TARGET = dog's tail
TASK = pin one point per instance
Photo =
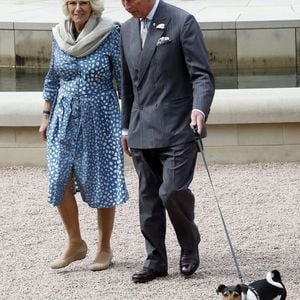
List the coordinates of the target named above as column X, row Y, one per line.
column 274, row 278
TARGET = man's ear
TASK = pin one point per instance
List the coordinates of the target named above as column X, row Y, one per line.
column 220, row 288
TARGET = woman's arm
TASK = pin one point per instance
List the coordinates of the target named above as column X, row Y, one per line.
column 45, row 119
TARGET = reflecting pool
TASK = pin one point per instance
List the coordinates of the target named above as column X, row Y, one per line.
column 21, row 79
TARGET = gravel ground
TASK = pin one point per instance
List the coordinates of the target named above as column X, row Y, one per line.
column 260, row 203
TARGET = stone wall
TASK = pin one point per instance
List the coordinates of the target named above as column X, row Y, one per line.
column 246, row 125
column 232, row 46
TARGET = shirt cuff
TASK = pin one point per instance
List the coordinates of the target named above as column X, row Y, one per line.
column 195, row 109
column 124, row 131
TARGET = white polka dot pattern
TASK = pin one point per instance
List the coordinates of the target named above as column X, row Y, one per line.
column 84, row 133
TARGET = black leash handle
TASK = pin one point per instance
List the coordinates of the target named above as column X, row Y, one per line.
column 199, row 144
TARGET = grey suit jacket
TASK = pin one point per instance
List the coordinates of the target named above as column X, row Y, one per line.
column 165, row 80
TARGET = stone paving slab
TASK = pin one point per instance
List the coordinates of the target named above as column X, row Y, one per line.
column 220, row 11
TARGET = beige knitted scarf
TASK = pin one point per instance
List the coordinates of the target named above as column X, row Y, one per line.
column 94, row 32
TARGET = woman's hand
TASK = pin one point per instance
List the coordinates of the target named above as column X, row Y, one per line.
column 45, row 119
column 44, row 127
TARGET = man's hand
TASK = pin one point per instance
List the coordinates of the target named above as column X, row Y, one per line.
column 197, row 120
column 125, row 145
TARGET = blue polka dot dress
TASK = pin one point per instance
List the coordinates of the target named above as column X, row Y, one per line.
column 84, row 131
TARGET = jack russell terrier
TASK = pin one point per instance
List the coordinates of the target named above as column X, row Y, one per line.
column 270, row 288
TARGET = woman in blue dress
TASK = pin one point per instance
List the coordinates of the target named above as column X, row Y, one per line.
column 81, row 123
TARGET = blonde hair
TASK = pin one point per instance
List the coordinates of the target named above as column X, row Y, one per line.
column 97, row 7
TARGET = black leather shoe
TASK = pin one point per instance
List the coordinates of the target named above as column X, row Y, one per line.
column 147, row 275
column 189, row 261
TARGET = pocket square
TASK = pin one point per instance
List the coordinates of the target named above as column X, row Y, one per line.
column 163, row 40
column 160, row 26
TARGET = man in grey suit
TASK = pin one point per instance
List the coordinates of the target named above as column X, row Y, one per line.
column 167, row 88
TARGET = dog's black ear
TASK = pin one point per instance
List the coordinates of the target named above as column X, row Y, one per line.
column 220, row 288
column 243, row 288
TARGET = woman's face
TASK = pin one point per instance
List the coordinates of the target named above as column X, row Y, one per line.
column 80, row 12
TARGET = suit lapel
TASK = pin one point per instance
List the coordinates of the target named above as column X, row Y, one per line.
column 150, row 44
column 134, row 43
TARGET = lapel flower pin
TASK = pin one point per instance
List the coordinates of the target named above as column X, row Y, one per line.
column 160, row 26
column 163, row 40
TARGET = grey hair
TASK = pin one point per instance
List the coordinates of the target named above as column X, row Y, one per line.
column 97, row 7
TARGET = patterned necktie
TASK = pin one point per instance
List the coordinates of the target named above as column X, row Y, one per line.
column 144, row 30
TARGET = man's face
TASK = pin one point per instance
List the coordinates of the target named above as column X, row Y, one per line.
column 138, row 8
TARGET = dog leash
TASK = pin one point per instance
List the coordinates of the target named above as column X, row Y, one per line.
column 201, row 150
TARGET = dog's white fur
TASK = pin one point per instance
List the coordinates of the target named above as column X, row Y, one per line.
column 250, row 296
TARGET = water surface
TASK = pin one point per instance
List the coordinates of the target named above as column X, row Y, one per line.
column 20, row 79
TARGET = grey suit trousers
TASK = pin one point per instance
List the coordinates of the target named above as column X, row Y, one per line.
column 164, row 178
